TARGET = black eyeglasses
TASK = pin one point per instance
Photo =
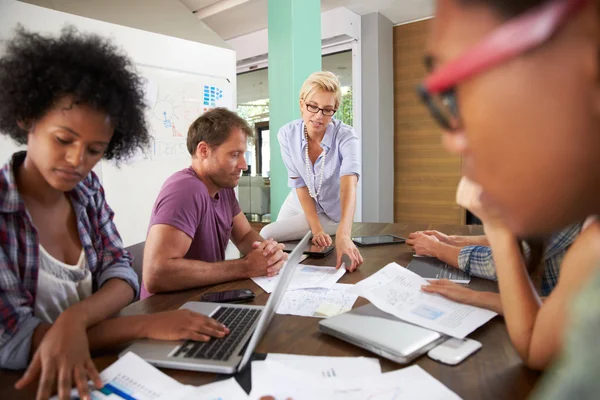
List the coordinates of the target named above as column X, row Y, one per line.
column 443, row 107
column 328, row 112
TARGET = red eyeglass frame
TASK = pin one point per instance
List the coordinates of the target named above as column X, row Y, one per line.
column 510, row 40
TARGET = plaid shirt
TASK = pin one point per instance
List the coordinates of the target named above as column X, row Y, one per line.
column 478, row 260
column 19, row 257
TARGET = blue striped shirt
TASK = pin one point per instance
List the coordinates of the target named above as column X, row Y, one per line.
column 342, row 149
column 478, row 260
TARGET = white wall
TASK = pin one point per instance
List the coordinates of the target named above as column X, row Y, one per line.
column 377, row 77
column 132, row 189
column 168, row 17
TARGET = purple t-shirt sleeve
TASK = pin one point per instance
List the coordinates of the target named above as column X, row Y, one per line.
column 179, row 207
column 235, row 205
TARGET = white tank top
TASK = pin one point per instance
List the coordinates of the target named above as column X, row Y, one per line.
column 60, row 285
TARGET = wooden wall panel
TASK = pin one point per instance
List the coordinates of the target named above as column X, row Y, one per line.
column 425, row 175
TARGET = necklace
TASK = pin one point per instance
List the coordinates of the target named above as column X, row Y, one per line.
column 309, row 174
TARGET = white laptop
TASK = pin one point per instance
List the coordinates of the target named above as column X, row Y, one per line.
column 229, row 354
column 381, row 333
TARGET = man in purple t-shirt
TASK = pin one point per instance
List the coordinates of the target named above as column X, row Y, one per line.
column 196, row 214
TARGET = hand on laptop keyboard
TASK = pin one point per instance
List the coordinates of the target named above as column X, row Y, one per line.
column 183, row 324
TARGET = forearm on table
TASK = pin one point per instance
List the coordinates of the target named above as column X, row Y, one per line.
column 348, row 204
column 179, row 274
column 462, row 241
column 310, row 209
column 520, row 302
column 118, row 331
column 105, row 334
column 447, row 253
column 245, row 245
column 111, row 298
column 489, row 301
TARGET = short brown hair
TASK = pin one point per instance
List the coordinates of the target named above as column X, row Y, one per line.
column 214, row 128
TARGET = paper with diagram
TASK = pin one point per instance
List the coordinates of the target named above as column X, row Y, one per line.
column 318, row 302
column 130, row 377
column 305, row 277
column 397, row 291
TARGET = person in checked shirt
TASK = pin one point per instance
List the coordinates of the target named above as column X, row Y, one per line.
column 72, row 99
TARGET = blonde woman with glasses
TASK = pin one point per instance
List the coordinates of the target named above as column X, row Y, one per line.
column 322, row 157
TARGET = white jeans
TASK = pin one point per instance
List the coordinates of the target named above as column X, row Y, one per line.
column 292, row 224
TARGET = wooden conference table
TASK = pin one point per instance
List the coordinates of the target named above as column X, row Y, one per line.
column 495, row 372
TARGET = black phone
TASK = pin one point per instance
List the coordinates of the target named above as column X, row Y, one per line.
column 311, row 250
column 229, row 296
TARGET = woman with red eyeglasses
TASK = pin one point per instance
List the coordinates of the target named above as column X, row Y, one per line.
column 516, row 85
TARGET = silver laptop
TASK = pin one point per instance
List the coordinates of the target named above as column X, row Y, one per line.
column 433, row 268
column 381, row 333
column 231, row 353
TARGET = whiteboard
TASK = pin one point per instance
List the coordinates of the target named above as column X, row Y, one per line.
column 176, row 99
column 177, row 74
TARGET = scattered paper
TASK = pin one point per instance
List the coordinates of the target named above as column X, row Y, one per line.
column 223, row 390
column 318, row 302
column 305, row 277
column 282, row 382
column 329, row 367
column 396, row 290
column 130, row 377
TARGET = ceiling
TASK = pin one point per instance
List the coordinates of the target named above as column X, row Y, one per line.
column 232, row 18
column 254, row 85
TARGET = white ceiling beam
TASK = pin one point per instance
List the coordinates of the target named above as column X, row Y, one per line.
column 217, row 8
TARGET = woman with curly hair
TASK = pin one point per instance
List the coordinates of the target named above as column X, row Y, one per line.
column 73, row 99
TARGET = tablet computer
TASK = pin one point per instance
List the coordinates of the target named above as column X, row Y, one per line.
column 377, row 240
column 311, row 250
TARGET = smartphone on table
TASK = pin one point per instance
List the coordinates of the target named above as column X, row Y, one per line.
column 229, row 296
column 454, row 351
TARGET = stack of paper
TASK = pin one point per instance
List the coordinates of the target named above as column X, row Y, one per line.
column 347, row 378
column 397, row 291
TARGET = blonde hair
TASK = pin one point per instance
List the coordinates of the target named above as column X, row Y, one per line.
column 322, row 80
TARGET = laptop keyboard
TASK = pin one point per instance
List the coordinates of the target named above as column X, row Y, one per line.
column 238, row 320
column 450, row 273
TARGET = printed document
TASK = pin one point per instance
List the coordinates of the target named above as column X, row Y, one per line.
column 130, row 377
column 305, row 277
column 282, row 382
column 329, row 367
column 321, row 303
column 397, row 291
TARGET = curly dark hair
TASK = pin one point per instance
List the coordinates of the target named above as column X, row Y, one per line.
column 37, row 71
